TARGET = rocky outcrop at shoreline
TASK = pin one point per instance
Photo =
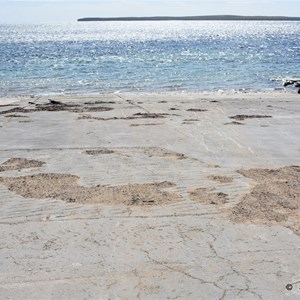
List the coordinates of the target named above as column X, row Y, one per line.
column 293, row 82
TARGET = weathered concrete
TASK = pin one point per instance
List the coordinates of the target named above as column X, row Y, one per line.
column 51, row 249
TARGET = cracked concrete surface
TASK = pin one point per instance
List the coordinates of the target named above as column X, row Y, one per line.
column 50, row 249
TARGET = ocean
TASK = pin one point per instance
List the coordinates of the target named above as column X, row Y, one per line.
column 183, row 56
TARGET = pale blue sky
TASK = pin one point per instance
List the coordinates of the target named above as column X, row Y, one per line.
column 35, row 11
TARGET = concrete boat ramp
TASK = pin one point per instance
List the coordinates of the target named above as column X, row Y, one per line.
column 150, row 196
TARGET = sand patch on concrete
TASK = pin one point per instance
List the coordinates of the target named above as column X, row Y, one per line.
column 208, row 196
column 16, row 116
column 220, row 179
column 99, row 151
column 196, row 109
column 191, row 120
column 274, row 200
column 145, row 124
column 160, row 152
column 99, row 102
column 19, row 164
column 244, row 117
column 50, row 107
column 234, row 123
column 26, row 121
column 133, row 117
column 151, row 115
column 65, row 187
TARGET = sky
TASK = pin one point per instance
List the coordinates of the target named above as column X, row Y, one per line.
column 45, row 11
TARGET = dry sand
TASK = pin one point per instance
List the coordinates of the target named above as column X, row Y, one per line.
column 99, row 151
column 244, row 117
column 19, row 164
column 275, row 199
column 221, row 179
column 208, row 196
column 160, row 152
column 66, row 188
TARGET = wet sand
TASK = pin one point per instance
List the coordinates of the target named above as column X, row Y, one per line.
column 166, row 192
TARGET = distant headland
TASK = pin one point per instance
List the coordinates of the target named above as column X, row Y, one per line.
column 195, row 18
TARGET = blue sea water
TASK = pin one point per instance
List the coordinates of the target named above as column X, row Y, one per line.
column 99, row 57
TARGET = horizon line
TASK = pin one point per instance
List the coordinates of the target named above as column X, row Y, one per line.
column 193, row 18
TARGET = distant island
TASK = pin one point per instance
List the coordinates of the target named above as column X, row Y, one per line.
column 194, row 18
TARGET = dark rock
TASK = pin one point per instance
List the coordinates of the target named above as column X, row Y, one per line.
column 293, row 82
column 288, row 82
column 54, row 102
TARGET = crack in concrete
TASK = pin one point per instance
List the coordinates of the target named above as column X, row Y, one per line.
column 113, row 217
column 164, row 264
column 234, row 271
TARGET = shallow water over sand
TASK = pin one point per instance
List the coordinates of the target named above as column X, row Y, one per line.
column 147, row 56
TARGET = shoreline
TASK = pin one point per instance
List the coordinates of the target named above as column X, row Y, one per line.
column 221, row 93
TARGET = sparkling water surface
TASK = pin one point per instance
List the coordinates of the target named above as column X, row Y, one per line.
column 100, row 57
